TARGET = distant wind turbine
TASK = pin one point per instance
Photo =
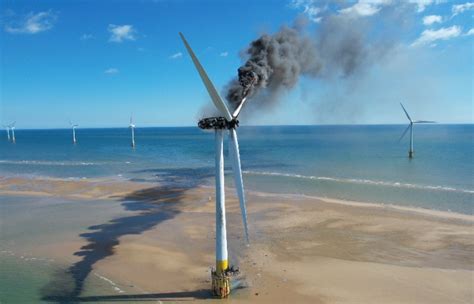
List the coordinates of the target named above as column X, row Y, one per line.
column 410, row 127
column 73, row 126
column 12, row 128
column 132, row 129
column 7, row 128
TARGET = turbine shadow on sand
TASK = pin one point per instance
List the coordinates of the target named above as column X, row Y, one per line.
column 156, row 205
column 200, row 294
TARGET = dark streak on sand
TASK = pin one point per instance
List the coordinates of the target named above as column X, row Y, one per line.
column 156, row 205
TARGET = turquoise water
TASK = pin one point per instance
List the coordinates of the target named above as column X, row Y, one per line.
column 363, row 163
column 34, row 268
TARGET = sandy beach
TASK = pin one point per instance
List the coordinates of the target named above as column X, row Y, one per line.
column 345, row 127
column 303, row 249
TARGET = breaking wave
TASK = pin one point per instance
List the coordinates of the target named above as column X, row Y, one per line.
column 362, row 181
column 47, row 163
column 58, row 163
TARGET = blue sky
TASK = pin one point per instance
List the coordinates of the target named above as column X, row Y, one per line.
column 96, row 62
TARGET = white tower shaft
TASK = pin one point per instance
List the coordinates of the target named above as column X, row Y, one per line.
column 13, row 135
column 74, row 135
column 8, row 133
column 222, row 261
column 133, row 137
column 410, row 152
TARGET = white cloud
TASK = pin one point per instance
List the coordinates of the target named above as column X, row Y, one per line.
column 33, row 23
column 120, row 33
column 111, row 71
column 365, row 7
column 431, row 19
column 177, row 55
column 224, row 54
column 460, row 8
column 470, row 32
column 86, row 36
column 309, row 9
column 421, row 4
column 445, row 33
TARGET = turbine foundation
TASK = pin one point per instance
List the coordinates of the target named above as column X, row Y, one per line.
column 221, row 281
column 410, row 154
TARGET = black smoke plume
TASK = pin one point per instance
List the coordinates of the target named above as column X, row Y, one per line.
column 339, row 47
column 278, row 61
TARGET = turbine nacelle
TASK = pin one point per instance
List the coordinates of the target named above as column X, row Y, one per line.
column 217, row 123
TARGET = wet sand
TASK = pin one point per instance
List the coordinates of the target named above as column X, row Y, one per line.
column 303, row 249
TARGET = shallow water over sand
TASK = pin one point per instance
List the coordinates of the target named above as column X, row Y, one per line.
column 40, row 243
column 363, row 163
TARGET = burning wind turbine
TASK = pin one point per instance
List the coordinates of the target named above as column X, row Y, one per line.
column 410, row 127
column 222, row 273
column 132, row 129
column 73, row 126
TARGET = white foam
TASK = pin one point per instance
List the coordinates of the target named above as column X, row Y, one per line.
column 47, row 163
column 362, row 181
column 114, row 285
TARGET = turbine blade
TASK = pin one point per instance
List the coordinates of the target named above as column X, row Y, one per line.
column 239, row 184
column 404, row 133
column 239, row 108
column 406, row 113
column 218, row 102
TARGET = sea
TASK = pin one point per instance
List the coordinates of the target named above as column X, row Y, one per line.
column 364, row 163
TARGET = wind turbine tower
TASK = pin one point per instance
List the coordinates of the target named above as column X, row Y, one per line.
column 411, row 152
column 7, row 128
column 132, row 129
column 228, row 123
column 12, row 128
column 73, row 126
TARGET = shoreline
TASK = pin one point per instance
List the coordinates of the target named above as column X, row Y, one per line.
column 105, row 182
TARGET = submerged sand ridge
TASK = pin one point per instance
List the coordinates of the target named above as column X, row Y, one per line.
column 303, row 250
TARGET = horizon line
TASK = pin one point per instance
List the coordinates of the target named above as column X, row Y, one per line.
column 244, row 126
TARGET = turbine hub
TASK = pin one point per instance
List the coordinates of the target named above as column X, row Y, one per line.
column 217, row 123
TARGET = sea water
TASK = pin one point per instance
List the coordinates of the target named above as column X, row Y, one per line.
column 41, row 241
column 358, row 163
column 354, row 162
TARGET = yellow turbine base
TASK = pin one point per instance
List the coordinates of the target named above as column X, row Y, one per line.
column 222, row 266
